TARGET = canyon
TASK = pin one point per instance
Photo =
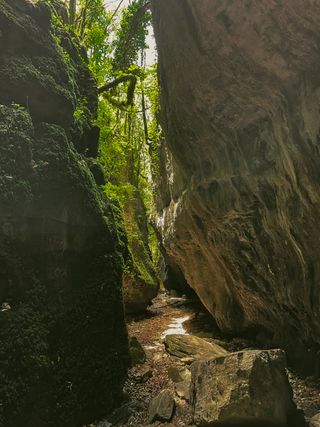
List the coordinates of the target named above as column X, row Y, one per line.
column 190, row 294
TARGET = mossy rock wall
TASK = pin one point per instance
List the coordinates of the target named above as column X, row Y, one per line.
column 140, row 280
column 63, row 340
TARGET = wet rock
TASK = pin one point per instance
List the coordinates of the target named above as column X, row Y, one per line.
column 190, row 347
column 315, row 421
column 137, row 353
column 247, row 386
column 161, row 407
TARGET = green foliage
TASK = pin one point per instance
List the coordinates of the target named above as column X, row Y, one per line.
column 131, row 35
column 120, row 193
column 129, row 131
column 92, row 27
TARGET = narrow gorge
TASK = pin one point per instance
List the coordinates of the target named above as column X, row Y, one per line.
column 159, row 178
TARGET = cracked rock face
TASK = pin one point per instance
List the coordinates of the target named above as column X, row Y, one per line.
column 239, row 204
column 244, row 387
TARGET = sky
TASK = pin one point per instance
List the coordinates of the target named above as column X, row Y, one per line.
column 151, row 52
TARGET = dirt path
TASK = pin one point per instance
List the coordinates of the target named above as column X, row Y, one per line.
column 170, row 315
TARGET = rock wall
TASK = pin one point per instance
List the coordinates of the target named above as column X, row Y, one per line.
column 239, row 207
column 63, row 340
column 140, row 281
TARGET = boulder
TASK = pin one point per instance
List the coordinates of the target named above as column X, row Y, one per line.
column 238, row 198
column 244, row 387
column 137, row 292
column 161, row 407
column 190, row 348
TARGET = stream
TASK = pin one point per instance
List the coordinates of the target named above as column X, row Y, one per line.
column 171, row 315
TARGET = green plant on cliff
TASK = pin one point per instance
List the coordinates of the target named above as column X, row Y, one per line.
column 128, row 105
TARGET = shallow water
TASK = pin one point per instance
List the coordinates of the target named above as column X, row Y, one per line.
column 177, row 327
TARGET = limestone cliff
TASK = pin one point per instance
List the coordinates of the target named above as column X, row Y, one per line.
column 63, row 341
column 239, row 208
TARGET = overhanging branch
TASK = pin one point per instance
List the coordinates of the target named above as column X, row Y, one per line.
column 116, row 82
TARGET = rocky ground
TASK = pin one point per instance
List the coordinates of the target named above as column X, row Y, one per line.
column 173, row 315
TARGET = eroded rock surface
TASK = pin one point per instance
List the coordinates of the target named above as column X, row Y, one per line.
column 190, row 347
column 244, row 387
column 162, row 406
column 63, row 341
column 239, row 205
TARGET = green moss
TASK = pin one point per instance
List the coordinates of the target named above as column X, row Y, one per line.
column 63, row 343
column 59, row 356
column 24, row 356
column 15, row 155
column 140, row 263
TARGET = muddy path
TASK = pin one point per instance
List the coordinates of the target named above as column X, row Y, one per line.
column 169, row 315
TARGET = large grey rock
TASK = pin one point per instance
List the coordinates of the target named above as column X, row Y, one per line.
column 247, row 386
column 191, row 348
column 239, row 197
column 161, row 407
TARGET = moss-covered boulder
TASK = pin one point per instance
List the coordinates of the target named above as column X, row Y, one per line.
column 63, row 340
